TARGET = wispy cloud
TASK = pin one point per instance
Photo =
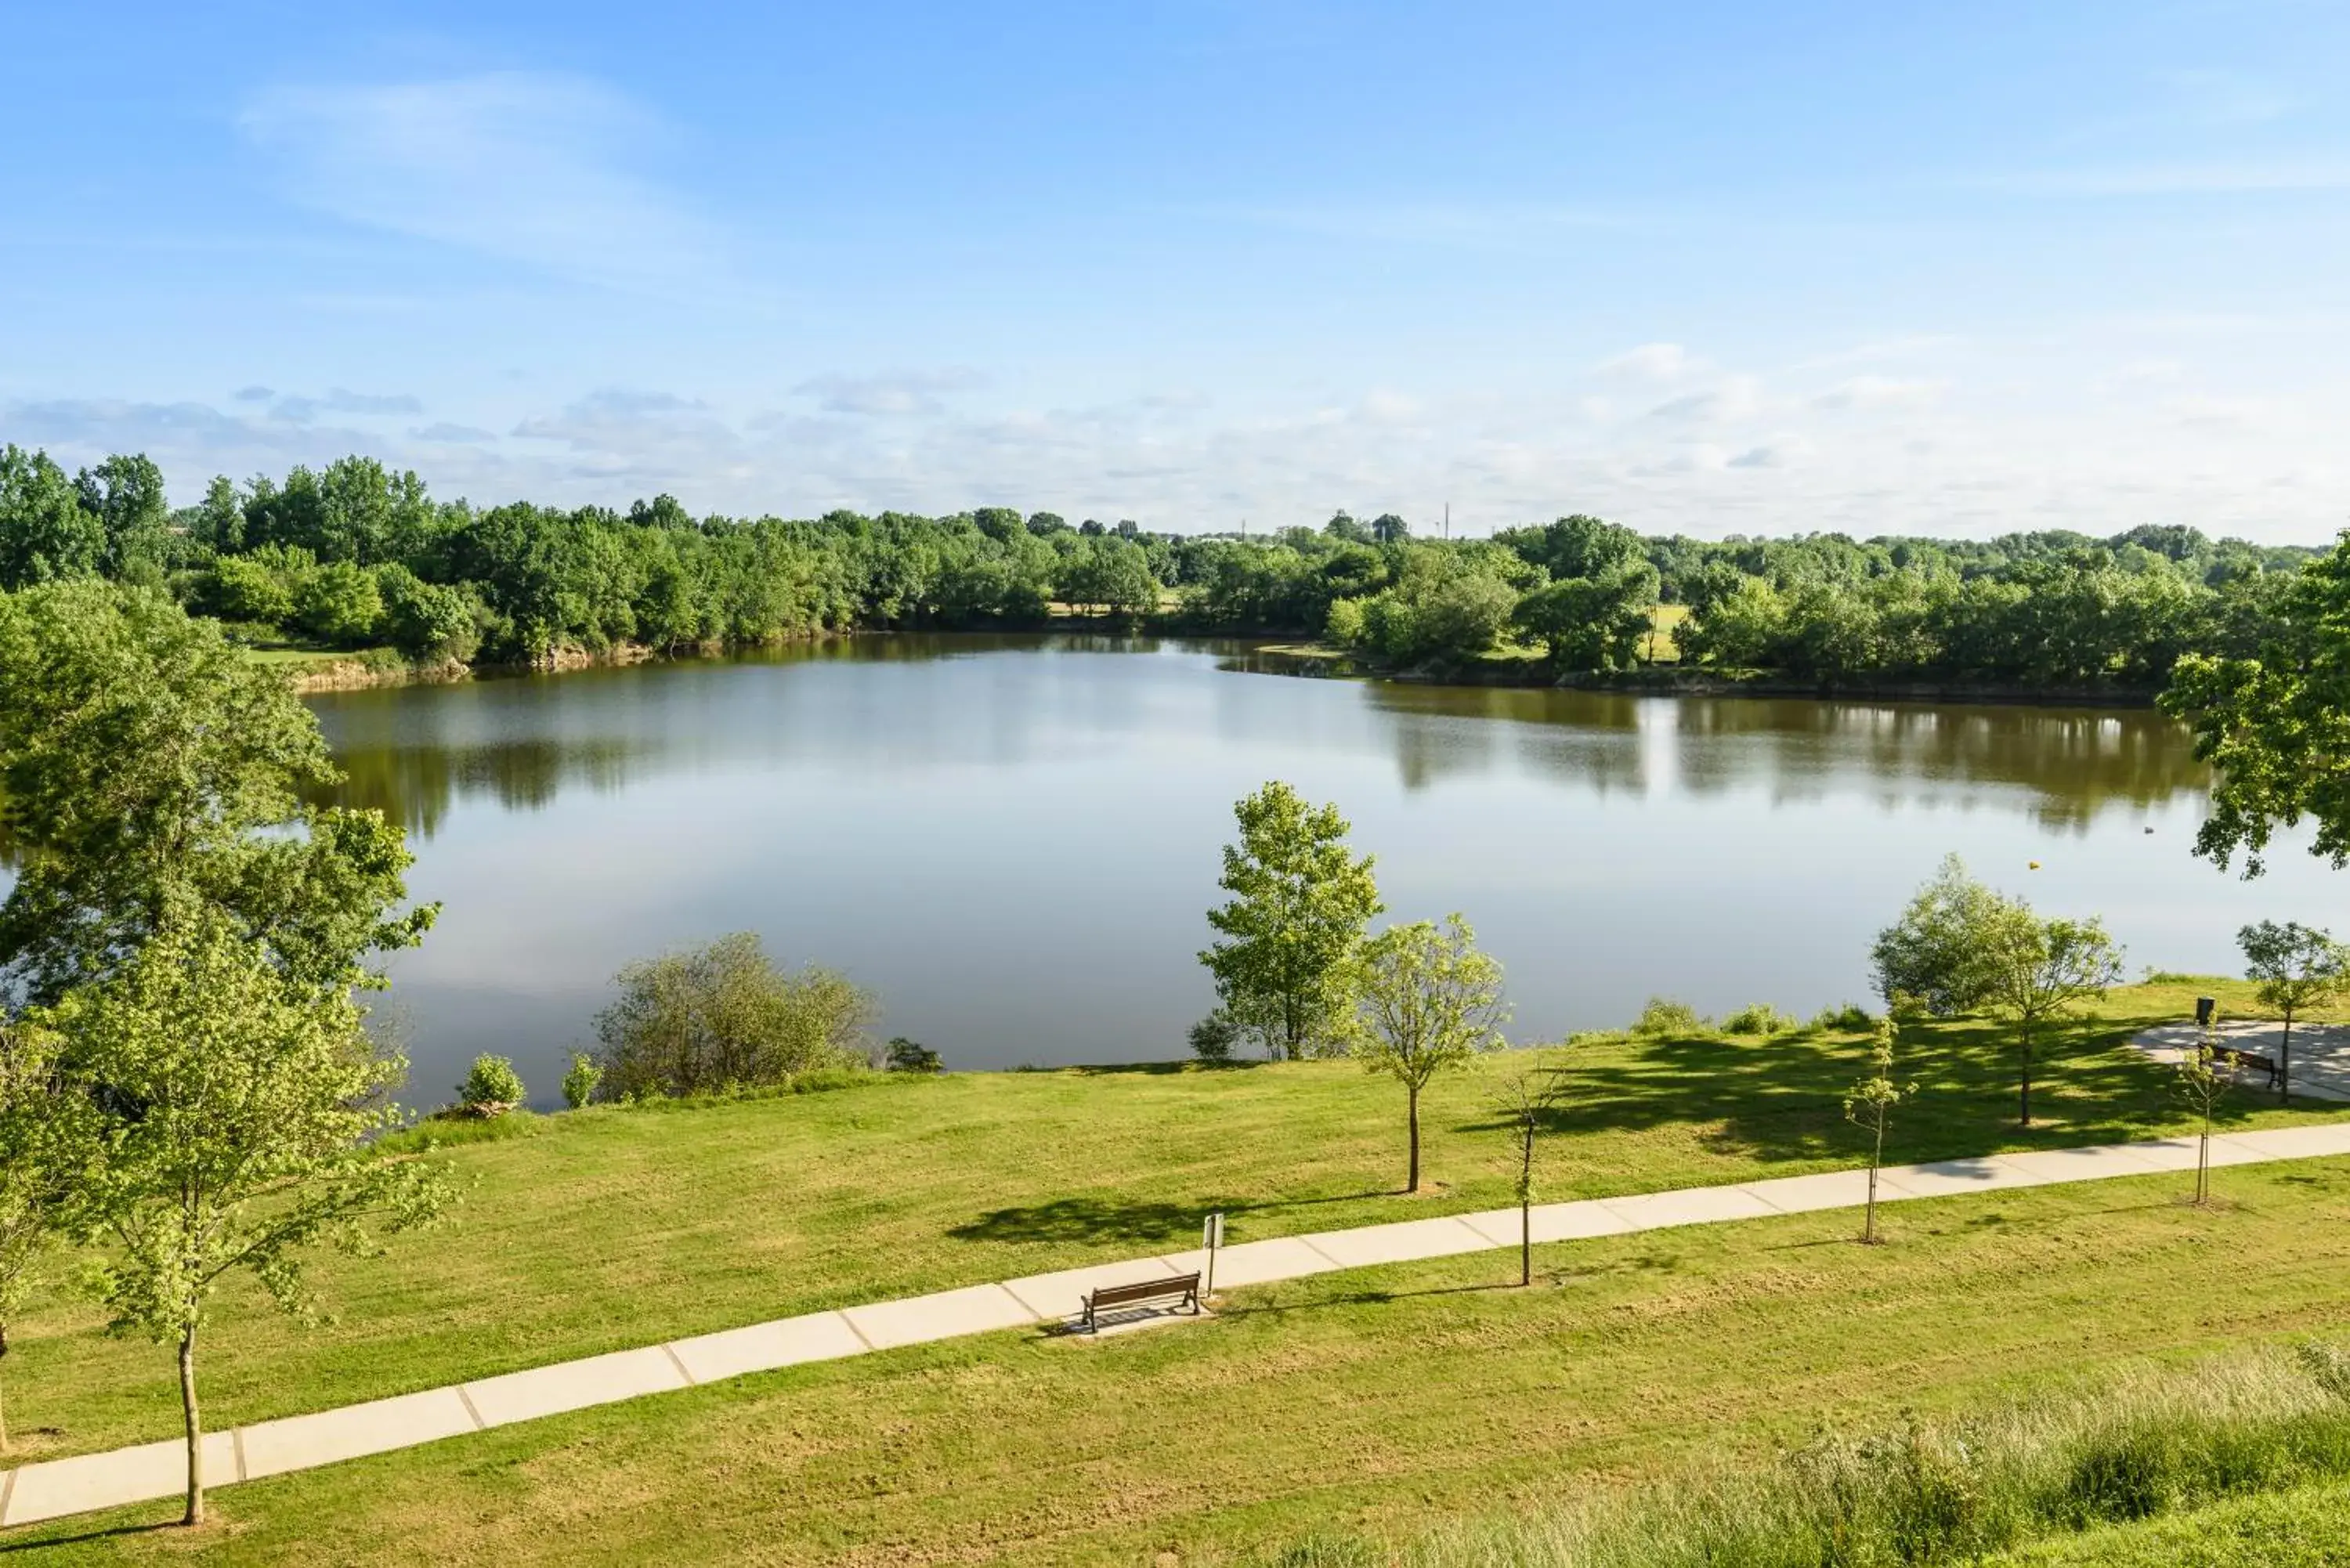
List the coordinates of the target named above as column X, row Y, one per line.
column 535, row 167
column 896, row 392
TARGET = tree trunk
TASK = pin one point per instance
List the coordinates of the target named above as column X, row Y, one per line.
column 1526, row 1210
column 4, row 1393
column 1412, row 1185
column 195, row 1515
column 2027, row 1076
column 2284, row 1063
column 1876, row 1158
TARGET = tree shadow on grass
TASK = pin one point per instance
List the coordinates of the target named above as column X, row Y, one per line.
column 1110, row 1219
column 50, row 1543
column 1364, row 1298
column 1781, row 1099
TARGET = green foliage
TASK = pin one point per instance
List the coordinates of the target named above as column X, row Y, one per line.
column 1759, row 1019
column 47, row 1138
column 1593, row 623
column 1935, row 951
column 724, row 1017
column 580, row 1080
column 1870, row 1105
column 491, row 1086
column 340, row 604
column 1849, row 1017
column 1662, row 1017
column 249, row 1095
column 1214, row 1037
column 45, row 533
column 904, row 1056
column 1300, row 903
column 425, row 621
column 146, row 764
column 1426, row 1002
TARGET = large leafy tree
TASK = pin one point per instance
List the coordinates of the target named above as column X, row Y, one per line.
column 46, row 531
column 252, row 1092
column 145, row 762
column 1300, row 902
column 2275, row 725
column 1426, row 1002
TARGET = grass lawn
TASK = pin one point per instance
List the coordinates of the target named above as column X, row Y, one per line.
column 305, row 658
column 616, row 1228
column 1373, row 1402
column 2305, row 1528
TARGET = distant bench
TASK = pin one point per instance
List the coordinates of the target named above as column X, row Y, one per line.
column 1182, row 1288
column 2250, row 1060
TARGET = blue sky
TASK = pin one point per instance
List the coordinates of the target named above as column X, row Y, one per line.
column 1711, row 268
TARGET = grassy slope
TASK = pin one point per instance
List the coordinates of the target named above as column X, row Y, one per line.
column 1371, row 1401
column 2307, row 1528
column 613, row 1229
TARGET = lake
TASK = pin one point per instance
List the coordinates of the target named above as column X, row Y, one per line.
column 1012, row 841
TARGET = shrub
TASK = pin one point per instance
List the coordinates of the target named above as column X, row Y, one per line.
column 724, row 1015
column 1851, row 1016
column 905, row 1055
column 493, row 1087
column 425, row 621
column 1214, row 1037
column 1663, row 1015
column 1759, row 1019
column 579, row 1083
column 339, row 604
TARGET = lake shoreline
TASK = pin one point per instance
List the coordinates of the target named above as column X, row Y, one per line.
column 1320, row 661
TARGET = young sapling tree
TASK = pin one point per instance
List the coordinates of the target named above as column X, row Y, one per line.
column 1524, row 1101
column 250, row 1095
column 1426, row 1002
column 2206, row 1073
column 1870, row 1105
column 2296, row 967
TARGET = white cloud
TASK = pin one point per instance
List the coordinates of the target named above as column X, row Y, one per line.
column 896, row 392
column 1648, row 363
column 1865, row 393
column 529, row 167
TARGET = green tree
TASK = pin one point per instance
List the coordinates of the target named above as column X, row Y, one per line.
column 1935, row 951
column 2275, row 726
column 1300, row 903
column 2206, row 1073
column 724, row 1017
column 580, row 1081
column 45, row 533
column 2036, row 971
column 1524, row 1101
column 1869, row 1107
column 340, row 604
column 2296, row 968
column 254, row 1093
column 145, row 760
column 125, row 495
column 1426, row 1002
column 1593, row 623
column 46, row 1137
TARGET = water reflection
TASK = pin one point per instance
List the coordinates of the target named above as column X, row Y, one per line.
column 1012, row 839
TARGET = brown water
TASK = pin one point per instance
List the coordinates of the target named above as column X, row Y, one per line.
column 1013, row 840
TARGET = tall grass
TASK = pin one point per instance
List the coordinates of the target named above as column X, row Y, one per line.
column 1936, row 1492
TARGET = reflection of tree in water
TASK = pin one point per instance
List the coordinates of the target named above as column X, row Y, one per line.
column 415, row 785
column 1587, row 738
column 2077, row 763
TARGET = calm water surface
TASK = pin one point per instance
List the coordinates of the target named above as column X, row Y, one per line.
column 1012, row 841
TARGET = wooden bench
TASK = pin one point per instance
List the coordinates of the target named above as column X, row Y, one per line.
column 2250, row 1061
column 1184, row 1288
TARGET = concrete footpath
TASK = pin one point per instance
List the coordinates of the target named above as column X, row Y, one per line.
column 54, row 1488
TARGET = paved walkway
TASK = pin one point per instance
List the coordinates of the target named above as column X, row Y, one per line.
column 2321, row 1052
column 54, row 1488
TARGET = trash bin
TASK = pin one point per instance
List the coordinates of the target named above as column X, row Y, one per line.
column 2204, row 1007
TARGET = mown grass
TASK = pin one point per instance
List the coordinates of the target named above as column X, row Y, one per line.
column 1362, row 1407
column 619, row 1227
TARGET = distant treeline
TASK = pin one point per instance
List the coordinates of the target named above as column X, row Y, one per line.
column 355, row 555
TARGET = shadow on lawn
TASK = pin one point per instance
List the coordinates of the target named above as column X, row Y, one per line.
column 1123, row 1219
column 49, row 1542
column 1782, row 1099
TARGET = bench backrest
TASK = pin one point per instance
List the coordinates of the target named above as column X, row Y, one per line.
column 1118, row 1296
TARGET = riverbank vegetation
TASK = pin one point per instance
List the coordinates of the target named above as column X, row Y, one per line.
column 354, row 555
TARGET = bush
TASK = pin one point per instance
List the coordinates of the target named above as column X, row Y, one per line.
column 1214, row 1037
column 579, row 1083
column 425, row 621
column 905, row 1055
column 1663, row 1015
column 1851, row 1016
column 492, row 1089
column 724, row 1017
column 1759, row 1019
column 339, row 604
